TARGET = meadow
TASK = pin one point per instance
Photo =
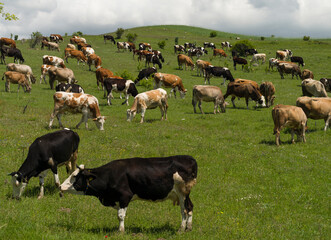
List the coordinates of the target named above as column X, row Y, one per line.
column 247, row 187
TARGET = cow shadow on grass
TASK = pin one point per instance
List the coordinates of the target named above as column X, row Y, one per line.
column 136, row 231
column 33, row 191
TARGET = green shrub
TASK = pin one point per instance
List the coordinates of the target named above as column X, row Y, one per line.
column 16, row 37
column 176, row 40
column 241, row 46
column 78, row 33
column 262, row 38
column 161, row 44
column 119, row 32
column 213, row 34
column 306, row 38
column 147, row 83
column 36, row 38
column 131, row 37
column 126, row 75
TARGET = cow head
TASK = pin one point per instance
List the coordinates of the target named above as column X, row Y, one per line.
column 130, row 115
column 78, row 181
column 183, row 93
column 19, row 183
column 99, row 121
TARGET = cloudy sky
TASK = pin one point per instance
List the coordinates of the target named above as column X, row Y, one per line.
column 282, row 18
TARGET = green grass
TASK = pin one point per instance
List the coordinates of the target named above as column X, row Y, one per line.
column 247, row 187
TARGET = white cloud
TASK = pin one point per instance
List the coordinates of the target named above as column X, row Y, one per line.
column 284, row 18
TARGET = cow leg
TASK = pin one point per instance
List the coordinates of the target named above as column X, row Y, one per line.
column 189, row 211
column 143, row 110
column 71, row 164
column 292, row 135
column 199, row 105
column 126, row 99
column 162, row 111
column 223, row 81
column 109, row 96
column 232, row 100
column 327, row 122
column 121, row 216
column 7, row 86
column 194, row 103
column 42, row 176
column 84, row 119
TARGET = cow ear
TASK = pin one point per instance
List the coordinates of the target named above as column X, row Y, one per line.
column 80, row 167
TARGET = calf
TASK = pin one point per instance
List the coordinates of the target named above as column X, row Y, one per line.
column 208, row 94
column 121, row 86
column 219, row 52
column 17, row 78
column 151, row 179
column 25, row 69
column 289, row 116
column 316, row 108
column 267, row 89
column 246, row 90
column 313, row 88
column 218, row 72
column 186, row 60
column 201, row 65
column 69, row 87
column 238, row 60
column 46, row 152
column 149, row 100
column 145, row 73
column 61, row 75
column 94, row 59
column 170, row 81
column 83, row 103
column 298, row 60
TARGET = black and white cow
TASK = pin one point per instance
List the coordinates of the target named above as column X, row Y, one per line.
column 250, row 51
column 327, row 83
column 226, row 45
column 154, row 59
column 119, row 85
column 145, row 73
column 298, row 60
column 46, row 152
column 209, row 44
column 218, row 72
column 69, row 87
column 119, row 182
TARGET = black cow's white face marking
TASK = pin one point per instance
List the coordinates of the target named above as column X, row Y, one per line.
column 69, row 184
column 18, row 186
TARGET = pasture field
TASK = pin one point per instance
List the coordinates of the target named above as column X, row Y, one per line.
column 247, row 188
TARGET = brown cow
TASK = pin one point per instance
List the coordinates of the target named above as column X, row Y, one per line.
column 102, row 73
column 267, row 89
column 289, row 69
column 289, row 116
column 79, row 55
column 8, row 42
column 316, row 108
column 219, row 52
column 61, row 75
column 16, row 78
column 201, row 65
column 170, row 81
column 246, row 90
column 94, row 59
column 307, row 74
column 186, row 60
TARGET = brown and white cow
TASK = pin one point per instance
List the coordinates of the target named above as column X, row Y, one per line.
column 186, row 60
column 56, row 38
column 94, row 59
column 16, row 78
column 79, row 55
column 313, row 88
column 44, row 71
column 87, row 51
column 201, row 65
column 267, row 89
column 53, row 60
column 170, row 81
column 149, row 100
column 208, row 93
column 283, row 54
column 316, row 108
column 289, row 116
column 259, row 56
column 219, row 52
column 86, row 104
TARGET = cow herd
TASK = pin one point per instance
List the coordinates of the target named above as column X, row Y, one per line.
column 117, row 183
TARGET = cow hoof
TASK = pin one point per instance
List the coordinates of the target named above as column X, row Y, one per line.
column 61, row 194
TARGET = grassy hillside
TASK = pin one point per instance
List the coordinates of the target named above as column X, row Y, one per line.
column 247, row 188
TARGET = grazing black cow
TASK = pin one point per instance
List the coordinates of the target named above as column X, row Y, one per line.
column 11, row 52
column 119, row 85
column 218, row 72
column 250, row 51
column 47, row 152
column 69, row 87
column 327, row 83
column 154, row 59
column 145, row 73
column 119, row 182
column 298, row 60
column 110, row 38
column 238, row 60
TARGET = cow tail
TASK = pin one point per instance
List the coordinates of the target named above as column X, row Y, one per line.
column 194, row 93
column 3, row 76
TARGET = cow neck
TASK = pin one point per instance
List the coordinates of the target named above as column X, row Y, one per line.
column 90, row 190
column 28, row 170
